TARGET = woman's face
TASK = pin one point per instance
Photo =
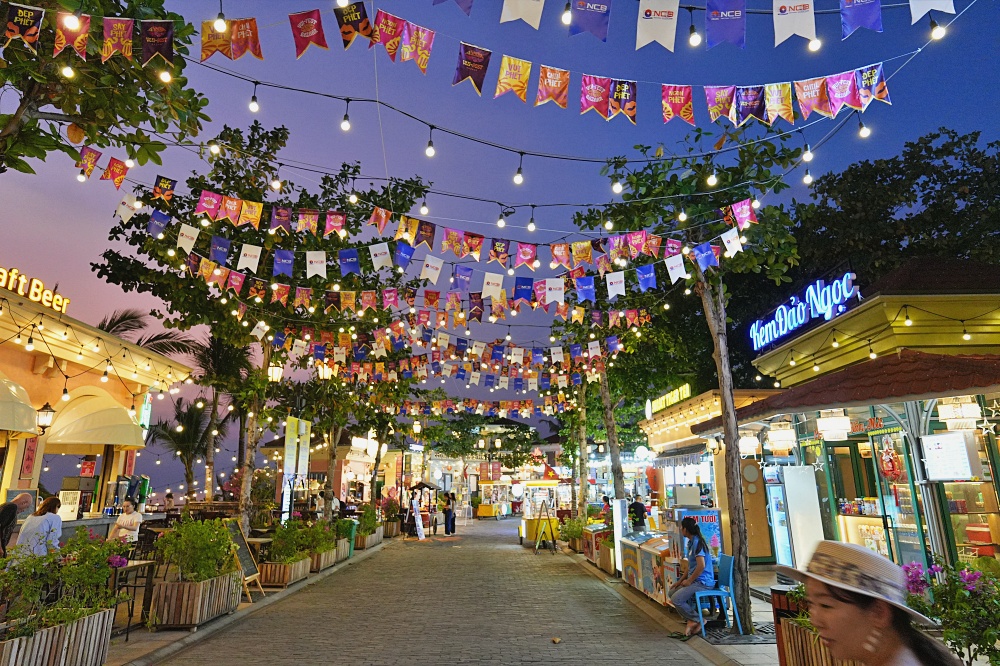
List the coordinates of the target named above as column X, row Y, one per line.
column 127, row 507
column 842, row 626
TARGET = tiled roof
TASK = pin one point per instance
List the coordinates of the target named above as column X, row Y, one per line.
column 908, row 375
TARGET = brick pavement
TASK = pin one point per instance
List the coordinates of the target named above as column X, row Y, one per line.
column 477, row 598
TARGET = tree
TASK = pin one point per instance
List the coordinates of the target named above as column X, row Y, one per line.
column 222, row 368
column 115, row 103
column 188, row 436
column 244, row 168
column 131, row 324
column 702, row 181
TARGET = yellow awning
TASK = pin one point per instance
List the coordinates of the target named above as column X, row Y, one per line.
column 89, row 422
column 17, row 416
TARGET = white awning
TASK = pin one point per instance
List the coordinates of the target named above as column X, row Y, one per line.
column 89, row 422
column 17, row 416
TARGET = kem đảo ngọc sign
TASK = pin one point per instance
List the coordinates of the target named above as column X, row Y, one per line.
column 821, row 299
column 33, row 289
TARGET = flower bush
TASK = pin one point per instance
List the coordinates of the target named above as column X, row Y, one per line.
column 42, row 591
column 318, row 538
column 964, row 601
column 201, row 549
column 368, row 522
column 289, row 544
column 390, row 509
column 571, row 528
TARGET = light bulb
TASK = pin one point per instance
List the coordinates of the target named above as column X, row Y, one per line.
column 938, row 31
column 755, row 204
column 72, row 21
column 807, row 156
column 429, row 150
column 518, row 177
column 863, row 130
column 353, row 198
column 166, row 77
column 65, row 394
column 68, row 72
column 682, row 216
column 694, row 39
column 138, row 203
column 807, row 179
column 220, row 23
column 345, row 124
column 276, row 184
column 31, row 344
column 908, row 322
column 213, row 148
column 510, row 271
column 567, row 15
column 616, row 186
column 82, row 176
column 254, row 106
column 965, row 335
column 424, row 209
column 501, row 222
column 712, row 180
column 531, row 224
column 342, row 3
column 815, row 44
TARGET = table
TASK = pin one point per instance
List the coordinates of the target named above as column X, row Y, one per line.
column 159, row 530
column 121, row 576
column 257, row 543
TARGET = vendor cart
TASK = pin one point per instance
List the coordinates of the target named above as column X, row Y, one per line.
column 630, row 557
column 592, row 535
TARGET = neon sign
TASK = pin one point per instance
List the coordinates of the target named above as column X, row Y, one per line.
column 821, row 300
column 34, row 289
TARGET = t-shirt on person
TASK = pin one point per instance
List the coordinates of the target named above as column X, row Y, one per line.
column 39, row 534
column 638, row 513
column 128, row 525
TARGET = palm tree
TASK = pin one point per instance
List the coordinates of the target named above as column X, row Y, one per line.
column 187, row 436
column 223, row 368
column 131, row 325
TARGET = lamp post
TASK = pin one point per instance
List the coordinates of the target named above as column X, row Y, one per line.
column 44, row 417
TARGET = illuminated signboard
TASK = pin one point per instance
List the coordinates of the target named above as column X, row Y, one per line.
column 820, row 300
column 33, row 289
column 664, row 401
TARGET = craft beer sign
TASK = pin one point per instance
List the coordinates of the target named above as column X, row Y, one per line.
column 33, row 289
column 821, row 300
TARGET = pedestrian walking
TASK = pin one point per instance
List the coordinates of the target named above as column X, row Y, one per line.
column 857, row 602
column 418, row 523
column 637, row 512
column 699, row 578
column 448, row 511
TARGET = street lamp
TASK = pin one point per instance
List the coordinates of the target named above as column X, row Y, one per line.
column 417, row 427
column 324, row 371
column 44, row 418
column 275, row 372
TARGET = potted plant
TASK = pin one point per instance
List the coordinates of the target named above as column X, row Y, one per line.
column 571, row 531
column 390, row 518
column 320, row 541
column 475, row 502
column 369, row 530
column 606, row 557
column 345, row 538
column 72, row 626
column 288, row 560
column 208, row 579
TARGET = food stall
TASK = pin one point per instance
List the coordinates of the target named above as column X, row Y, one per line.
column 630, row 557
column 709, row 520
column 495, row 499
column 658, row 567
column 535, row 514
column 592, row 535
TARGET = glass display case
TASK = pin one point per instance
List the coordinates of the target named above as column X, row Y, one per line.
column 973, row 510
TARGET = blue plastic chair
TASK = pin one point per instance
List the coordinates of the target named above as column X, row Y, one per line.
column 723, row 591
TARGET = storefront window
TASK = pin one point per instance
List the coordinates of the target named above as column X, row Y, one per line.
column 812, row 454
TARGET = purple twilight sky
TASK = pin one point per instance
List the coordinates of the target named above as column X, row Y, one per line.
column 54, row 227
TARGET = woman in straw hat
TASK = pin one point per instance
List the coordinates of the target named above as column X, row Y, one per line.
column 857, row 602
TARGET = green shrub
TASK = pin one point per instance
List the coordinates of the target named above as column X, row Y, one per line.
column 201, row 549
column 289, row 544
column 476, row 501
column 369, row 521
column 593, row 510
column 344, row 527
column 318, row 538
column 571, row 528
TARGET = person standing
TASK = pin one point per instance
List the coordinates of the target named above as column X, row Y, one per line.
column 335, row 507
column 168, row 503
column 127, row 525
column 857, row 602
column 637, row 512
column 418, row 522
column 454, row 508
column 448, row 511
column 8, row 518
column 699, row 578
column 41, row 530
column 320, row 505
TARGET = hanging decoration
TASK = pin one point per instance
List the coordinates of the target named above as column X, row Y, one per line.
column 157, row 40
column 245, row 38
column 592, row 17
column 24, row 23
column 657, row 22
column 473, row 63
column 794, row 19
column 726, row 21
column 75, row 38
column 353, row 22
column 856, row 14
column 529, row 11
column 514, row 75
column 307, row 29
column 464, row 5
column 117, row 38
column 553, row 86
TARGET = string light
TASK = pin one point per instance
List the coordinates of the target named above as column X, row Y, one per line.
column 616, row 186
column 863, row 131
column 72, row 21
column 67, row 72
column 965, row 333
column 423, row 207
column 682, row 216
column 276, row 181
column 807, row 155
column 871, row 352
column 166, row 76
column 345, row 124
column 519, row 174
column 938, row 31
column 129, row 163
column 531, row 222
column 694, row 39
column 907, row 321
column 815, row 44
column 429, row 150
column 567, row 15
column 500, row 221
column 807, row 179
column 82, row 176
column 712, row 180
column 254, row 106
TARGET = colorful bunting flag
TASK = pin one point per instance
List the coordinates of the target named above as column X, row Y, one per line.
column 623, row 100
column 705, row 255
column 425, row 234
column 561, row 254
column 726, row 21
column 77, row 39
column 677, row 103
column 472, row 244
column 856, row 14
column 499, row 251
column 353, row 22
column 281, row 218
column 813, row 97
column 213, row 42
column 657, row 22
column 115, row 172
column 417, row 43
column 335, row 222
column 675, row 268
column 431, row 270
column 616, row 284
column 843, row 91
column 721, row 102
column 793, row 19
column 349, row 261
column 595, row 93
column 249, row 257
column 529, row 11
column 163, row 188
column 872, row 85
column 453, row 240
column 307, row 28
column 750, row 103
column 245, row 38
column 315, row 264
column 473, row 62
column 250, row 212
column 158, row 222
column 778, row 102
column 117, row 37
column 526, row 255
column 514, row 75
column 284, row 260
column 24, row 23
column 380, row 256
column 88, row 161
column 157, row 40
column 553, row 86
column 592, row 17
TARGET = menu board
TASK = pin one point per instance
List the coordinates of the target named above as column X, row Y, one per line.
column 952, row 456
column 69, row 504
column 243, row 554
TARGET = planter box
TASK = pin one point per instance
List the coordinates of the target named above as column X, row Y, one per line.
column 803, row 648
column 324, row 560
column 576, row 545
column 606, row 560
column 369, row 540
column 390, row 528
column 343, row 549
column 80, row 643
column 273, row 574
column 188, row 605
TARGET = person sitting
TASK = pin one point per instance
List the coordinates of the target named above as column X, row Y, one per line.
column 41, row 530
column 8, row 518
column 127, row 525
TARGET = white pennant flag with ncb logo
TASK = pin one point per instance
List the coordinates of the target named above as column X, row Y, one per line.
column 920, row 7
column 657, row 22
column 529, row 11
column 793, row 18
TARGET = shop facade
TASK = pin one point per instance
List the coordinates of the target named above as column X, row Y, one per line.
column 888, row 421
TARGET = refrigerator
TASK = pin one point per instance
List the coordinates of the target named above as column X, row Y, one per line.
column 659, row 569
column 793, row 513
column 631, row 570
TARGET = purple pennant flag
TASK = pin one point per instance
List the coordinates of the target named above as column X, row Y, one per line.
column 750, row 103
column 476, row 306
column 157, row 40
column 464, row 5
column 463, row 277
column 726, row 21
column 283, row 262
column 585, row 290
column 349, row 262
column 856, row 14
column 220, row 250
column 592, row 17
column 472, row 64
column 281, row 218
column 647, row 277
column 596, row 318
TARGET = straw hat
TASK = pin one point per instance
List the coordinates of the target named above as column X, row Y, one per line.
column 854, row 568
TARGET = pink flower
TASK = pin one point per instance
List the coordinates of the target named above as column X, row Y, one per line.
column 970, row 578
column 117, row 561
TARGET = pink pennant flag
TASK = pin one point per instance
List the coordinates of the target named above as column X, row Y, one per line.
column 595, row 93
column 744, row 213
column 678, row 103
column 208, row 203
column 526, row 254
column 417, row 44
column 843, row 91
column 388, row 31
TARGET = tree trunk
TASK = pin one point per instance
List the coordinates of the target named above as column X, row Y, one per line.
column 581, row 410
column 252, row 440
column 381, row 437
column 714, row 303
column 213, row 424
column 331, row 468
column 612, row 430
column 241, row 444
column 189, row 480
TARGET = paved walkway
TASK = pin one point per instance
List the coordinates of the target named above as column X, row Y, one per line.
column 477, row 598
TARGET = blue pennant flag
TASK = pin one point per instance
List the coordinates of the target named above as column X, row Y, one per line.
column 283, row 260
column 585, row 290
column 349, row 262
column 403, row 255
column 705, row 256
column 647, row 276
column 158, row 221
column 220, row 250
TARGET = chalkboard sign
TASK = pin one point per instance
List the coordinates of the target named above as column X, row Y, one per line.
column 243, row 554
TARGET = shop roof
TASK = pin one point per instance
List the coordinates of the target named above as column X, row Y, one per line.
column 908, row 375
